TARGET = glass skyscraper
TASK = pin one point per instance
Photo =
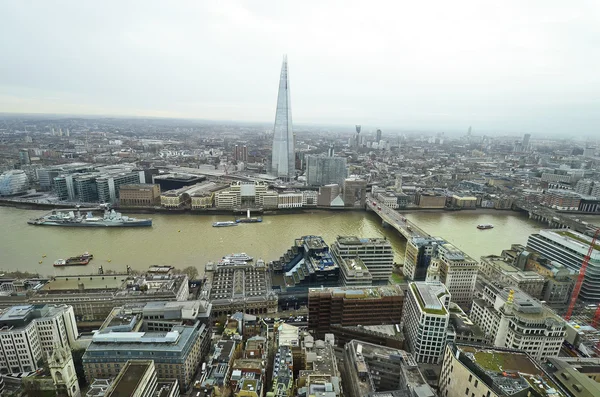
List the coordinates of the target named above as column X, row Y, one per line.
column 283, row 156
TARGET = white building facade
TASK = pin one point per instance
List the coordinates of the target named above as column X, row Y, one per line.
column 426, row 319
column 517, row 321
column 30, row 332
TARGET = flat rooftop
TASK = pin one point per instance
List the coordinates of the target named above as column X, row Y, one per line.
column 98, row 282
column 353, row 240
column 129, row 378
column 577, row 237
column 511, row 371
column 367, row 292
column 428, row 295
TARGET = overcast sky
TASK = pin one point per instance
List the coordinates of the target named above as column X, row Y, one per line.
column 505, row 66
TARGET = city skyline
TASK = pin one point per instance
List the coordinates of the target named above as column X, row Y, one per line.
column 465, row 64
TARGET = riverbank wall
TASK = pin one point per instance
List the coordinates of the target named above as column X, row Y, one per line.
column 215, row 211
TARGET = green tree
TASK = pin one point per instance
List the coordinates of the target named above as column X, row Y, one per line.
column 191, row 272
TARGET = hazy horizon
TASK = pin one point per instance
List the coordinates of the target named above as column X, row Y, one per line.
column 509, row 67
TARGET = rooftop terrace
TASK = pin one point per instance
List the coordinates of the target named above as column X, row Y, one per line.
column 510, row 371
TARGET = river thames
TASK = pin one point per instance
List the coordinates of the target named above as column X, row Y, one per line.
column 190, row 240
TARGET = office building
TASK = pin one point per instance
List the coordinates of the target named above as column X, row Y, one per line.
column 175, row 353
column 24, row 158
column 417, row 256
column 29, row 332
column 352, row 306
column 93, row 297
column 458, row 272
column 375, row 253
column 139, row 195
column 240, row 153
column 204, row 197
column 525, row 143
column 426, row 319
column 578, row 375
column 239, row 288
column 496, row 269
column 307, row 264
column 13, row 182
column 378, row 136
column 355, row 192
column 138, row 378
column 475, row 371
column 283, row 155
column 176, row 180
column 46, row 175
column 372, row 368
column 353, row 272
column 569, row 248
column 559, row 280
column 389, row 199
column 466, row 202
column 329, row 196
column 86, row 189
column 322, row 170
column 108, row 185
column 290, row 199
column 430, row 200
column 515, row 320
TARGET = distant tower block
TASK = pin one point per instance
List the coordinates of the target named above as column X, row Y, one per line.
column 330, row 151
column 378, row 137
column 357, row 128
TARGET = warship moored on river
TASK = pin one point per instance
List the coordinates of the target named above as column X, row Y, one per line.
column 75, row 218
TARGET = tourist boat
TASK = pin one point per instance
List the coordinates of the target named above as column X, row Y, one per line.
column 249, row 220
column 239, row 257
column 485, row 226
column 224, row 224
column 80, row 260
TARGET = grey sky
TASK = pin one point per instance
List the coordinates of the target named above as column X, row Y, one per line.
column 508, row 66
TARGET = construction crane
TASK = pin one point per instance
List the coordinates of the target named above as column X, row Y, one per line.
column 581, row 276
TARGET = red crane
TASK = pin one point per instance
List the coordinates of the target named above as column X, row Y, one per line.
column 581, row 276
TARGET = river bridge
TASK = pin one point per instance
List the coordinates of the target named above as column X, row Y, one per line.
column 554, row 219
column 394, row 219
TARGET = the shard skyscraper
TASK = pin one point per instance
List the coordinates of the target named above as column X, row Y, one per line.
column 283, row 159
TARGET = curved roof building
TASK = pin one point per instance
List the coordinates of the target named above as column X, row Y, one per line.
column 13, row 182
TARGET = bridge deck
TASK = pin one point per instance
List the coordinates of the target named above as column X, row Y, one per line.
column 395, row 219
